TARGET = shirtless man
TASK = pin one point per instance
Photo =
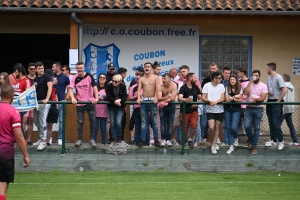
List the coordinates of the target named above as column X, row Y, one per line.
column 166, row 93
column 149, row 83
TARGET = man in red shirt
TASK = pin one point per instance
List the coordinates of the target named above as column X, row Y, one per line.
column 10, row 131
column 13, row 76
column 22, row 84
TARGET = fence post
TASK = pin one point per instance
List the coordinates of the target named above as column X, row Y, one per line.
column 63, row 147
column 183, row 129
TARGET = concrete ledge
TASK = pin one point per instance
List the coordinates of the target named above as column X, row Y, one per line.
column 151, row 159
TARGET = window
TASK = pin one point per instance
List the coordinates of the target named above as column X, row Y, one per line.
column 227, row 51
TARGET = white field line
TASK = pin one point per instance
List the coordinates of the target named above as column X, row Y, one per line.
column 148, row 183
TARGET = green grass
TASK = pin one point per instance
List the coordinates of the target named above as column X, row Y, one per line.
column 154, row 185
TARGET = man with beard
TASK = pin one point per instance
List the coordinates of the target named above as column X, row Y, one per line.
column 166, row 93
column 256, row 92
column 189, row 92
column 22, row 84
column 149, row 83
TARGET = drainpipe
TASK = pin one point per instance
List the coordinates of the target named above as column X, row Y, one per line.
column 79, row 22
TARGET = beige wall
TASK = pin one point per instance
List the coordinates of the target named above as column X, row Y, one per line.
column 40, row 23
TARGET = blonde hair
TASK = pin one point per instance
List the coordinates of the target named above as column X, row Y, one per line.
column 117, row 77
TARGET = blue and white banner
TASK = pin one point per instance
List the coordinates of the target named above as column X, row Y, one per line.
column 130, row 46
column 26, row 101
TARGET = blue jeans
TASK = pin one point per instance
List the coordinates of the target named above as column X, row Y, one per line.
column 255, row 115
column 136, row 117
column 90, row 109
column 166, row 121
column 103, row 121
column 116, row 115
column 232, row 122
column 199, row 134
column 274, row 113
column 225, row 131
column 60, row 119
column 147, row 109
column 21, row 116
column 289, row 121
column 203, row 122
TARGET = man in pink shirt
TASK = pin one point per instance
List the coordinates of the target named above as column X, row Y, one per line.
column 86, row 90
column 256, row 92
column 10, row 131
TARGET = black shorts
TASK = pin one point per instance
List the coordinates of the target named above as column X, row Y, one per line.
column 7, row 170
column 52, row 115
column 215, row 116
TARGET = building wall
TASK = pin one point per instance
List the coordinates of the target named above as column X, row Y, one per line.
column 39, row 23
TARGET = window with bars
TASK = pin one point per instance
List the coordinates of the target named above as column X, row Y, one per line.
column 227, row 51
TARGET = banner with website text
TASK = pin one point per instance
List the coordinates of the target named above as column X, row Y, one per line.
column 26, row 101
column 130, row 46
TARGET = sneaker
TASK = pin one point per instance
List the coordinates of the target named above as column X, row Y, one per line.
column 247, row 144
column 174, row 142
column 59, row 142
column 93, row 143
column 42, row 146
column 191, row 143
column 219, row 141
column 236, row 142
column 244, row 132
column 131, row 142
column 50, row 141
column 270, row 143
column 230, row 150
column 169, row 143
column 37, row 143
column 280, row 145
column 142, row 143
column 196, row 144
column 204, row 140
column 156, row 143
column 295, row 144
column 217, row 147
column 163, row 143
column 253, row 150
column 213, row 151
column 78, row 143
column 223, row 144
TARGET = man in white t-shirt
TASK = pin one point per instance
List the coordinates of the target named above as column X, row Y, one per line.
column 213, row 93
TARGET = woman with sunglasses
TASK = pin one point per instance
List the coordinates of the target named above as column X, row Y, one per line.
column 234, row 93
column 116, row 93
column 101, row 109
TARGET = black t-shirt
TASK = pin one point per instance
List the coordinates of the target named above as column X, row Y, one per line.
column 133, row 82
column 42, row 87
column 186, row 92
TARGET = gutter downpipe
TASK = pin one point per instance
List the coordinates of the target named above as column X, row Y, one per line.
column 79, row 22
column 141, row 11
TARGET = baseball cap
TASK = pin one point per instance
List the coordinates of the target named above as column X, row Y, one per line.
column 111, row 65
column 140, row 69
column 50, row 72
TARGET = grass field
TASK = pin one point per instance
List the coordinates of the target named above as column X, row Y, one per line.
column 154, row 185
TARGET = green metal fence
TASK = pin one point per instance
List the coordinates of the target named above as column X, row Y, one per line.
column 69, row 131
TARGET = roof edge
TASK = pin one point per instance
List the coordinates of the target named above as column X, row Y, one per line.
column 143, row 11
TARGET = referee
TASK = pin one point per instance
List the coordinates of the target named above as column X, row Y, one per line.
column 10, row 131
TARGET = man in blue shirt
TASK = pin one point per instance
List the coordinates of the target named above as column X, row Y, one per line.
column 62, row 83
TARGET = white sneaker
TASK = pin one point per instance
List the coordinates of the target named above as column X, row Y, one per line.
column 50, row 141
column 174, row 142
column 42, row 146
column 260, row 133
column 224, row 144
column 163, row 143
column 219, row 141
column 293, row 144
column 59, row 142
column 244, row 132
column 236, row 142
column 196, row 144
column 280, row 145
column 204, row 140
column 169, row 143
column 217, row 147
column 37, row 143
column 213, row 151
column 270, row 143
column 93, row 143
column 230, row 150
column 78, row 143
